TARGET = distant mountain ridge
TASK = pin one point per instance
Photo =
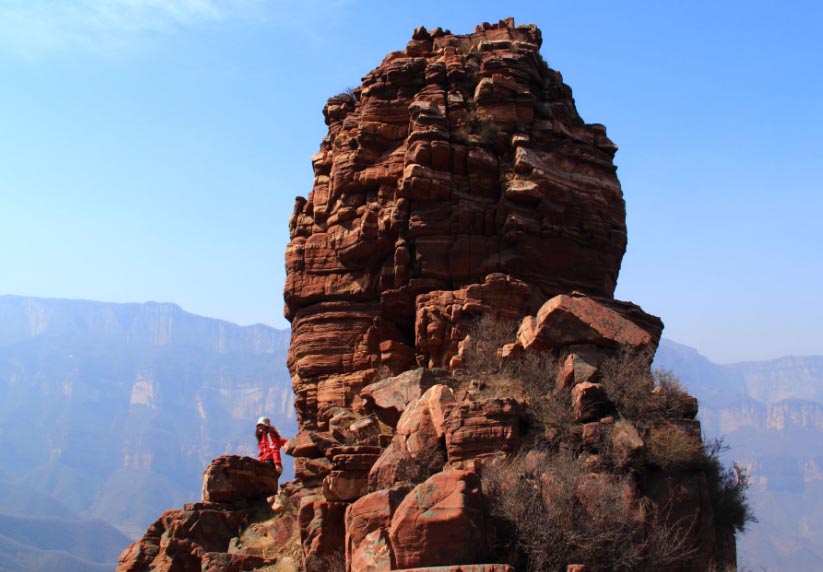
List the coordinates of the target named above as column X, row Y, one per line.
column 153, row 323
column 116, row 409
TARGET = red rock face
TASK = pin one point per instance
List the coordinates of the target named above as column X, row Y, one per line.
column 180, row 539
column 456, row 183
column 457, row 158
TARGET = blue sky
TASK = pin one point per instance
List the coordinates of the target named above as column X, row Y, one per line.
column 152, row 149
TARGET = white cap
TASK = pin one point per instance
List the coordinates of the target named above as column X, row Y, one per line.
column 264, row 421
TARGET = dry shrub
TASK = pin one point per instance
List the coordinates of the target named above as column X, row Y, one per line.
column 671, row 448
column 629, row 383
column 419, row 468
column 549, row 512
column 545, row 527
column 727, row 490
column 678, row 402
column 335, row 562
column 527, row 376
column 487, row 334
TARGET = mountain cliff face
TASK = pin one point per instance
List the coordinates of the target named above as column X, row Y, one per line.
column 468, row 392
column 116, row 408
column 459, row 157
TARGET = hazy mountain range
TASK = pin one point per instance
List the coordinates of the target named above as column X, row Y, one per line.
column 770, row 413
column 110, row 412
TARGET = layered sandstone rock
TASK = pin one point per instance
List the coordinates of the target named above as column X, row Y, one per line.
column 457, row 158
column 457, row 189
column 461, row 208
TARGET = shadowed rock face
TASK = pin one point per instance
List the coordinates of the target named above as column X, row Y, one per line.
column 458, row 157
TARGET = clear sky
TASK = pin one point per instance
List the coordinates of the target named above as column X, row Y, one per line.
column 152, row 149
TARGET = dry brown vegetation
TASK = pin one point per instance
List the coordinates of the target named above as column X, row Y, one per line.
column 551, row 512
column 542, row 520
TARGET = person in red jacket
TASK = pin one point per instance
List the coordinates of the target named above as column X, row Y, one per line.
column 269, row 442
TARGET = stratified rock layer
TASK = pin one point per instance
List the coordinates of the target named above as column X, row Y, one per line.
column 463, row 237
column 458, row 182
column 457, row 158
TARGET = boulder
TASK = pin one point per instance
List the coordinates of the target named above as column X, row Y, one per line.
column 627, row 445
column 581, row 365
column 440, row 522
column 233, row 478
column 417, row 449
column 390, row 397
column 367, row 524
column 310, row 443
column 567, row 320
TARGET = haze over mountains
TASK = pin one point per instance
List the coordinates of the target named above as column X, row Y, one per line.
column 112, row 411
column 770, row 413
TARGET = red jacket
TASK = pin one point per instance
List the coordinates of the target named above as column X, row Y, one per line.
column 269, row 448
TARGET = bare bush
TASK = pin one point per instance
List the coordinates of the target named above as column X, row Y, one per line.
column 542, row 521
column 552, row 512
column 678, row 402
column 528, row 376
column 335, row 562
column 629, row 384
column 486, row 335
column 671, row 448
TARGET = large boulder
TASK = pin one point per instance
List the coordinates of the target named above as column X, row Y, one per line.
column 367, row 527
column 590, row 402
column 439, row 522
column 568, row 320
column 234, row 478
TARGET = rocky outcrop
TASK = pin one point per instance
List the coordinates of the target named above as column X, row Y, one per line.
column 457, row 158
column 457, row 192
column 207, row 535
column 462, row 373
column 183, row 539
